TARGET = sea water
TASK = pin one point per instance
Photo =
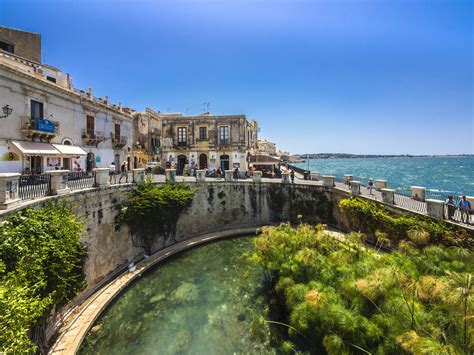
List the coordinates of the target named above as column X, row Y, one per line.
column 444, row 173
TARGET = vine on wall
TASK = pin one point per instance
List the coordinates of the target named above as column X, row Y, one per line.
column 152, row 211
column 41, row 266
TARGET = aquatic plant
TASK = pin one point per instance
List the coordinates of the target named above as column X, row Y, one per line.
column 370, row 218
column 345, row 298
column 152, row 211
column 41, row 266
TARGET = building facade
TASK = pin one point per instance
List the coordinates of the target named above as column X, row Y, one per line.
column 55, row 126
column 146, row 137
column 266, row 147
column 207, row 141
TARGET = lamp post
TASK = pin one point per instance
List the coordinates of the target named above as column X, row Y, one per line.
column 7, row 111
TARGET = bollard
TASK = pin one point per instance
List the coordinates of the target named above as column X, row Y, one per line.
column 170, row 175
column 200, row 175
column 328, row 181
column 388, row 196
column 229, row 175
column 101, row 177
column 380, row 184
column 418, row 193
column 58, row 182
column 138, row 175
column 355, row 187
column 9, row 196
column 347, row 179
column 257, row 176
column 285, row 177
column 435, row 208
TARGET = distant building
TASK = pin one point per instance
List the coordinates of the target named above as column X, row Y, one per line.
column 53, row 125
column 266, row 147
column 207, row 141
column 146, row 137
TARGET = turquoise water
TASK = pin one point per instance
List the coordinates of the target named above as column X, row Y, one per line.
column 445, row 174
column 204, row 301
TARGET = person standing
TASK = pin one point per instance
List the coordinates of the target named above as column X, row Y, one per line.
column 112, row 173
column 123, row 172
column 451, row 207
column 236, row 173
column 370, row 185
column 292, row 176
column 465, row 209
column 219, row 173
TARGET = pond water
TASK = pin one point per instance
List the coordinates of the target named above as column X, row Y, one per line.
column 206, row 300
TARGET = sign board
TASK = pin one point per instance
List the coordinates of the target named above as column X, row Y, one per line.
column 45, row 126
column 98, row 159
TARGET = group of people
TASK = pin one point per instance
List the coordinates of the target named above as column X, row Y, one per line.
column 113, row 173
column 464, row 207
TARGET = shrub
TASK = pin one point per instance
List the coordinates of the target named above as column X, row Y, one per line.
column 41, row 266
column 152, row 211
column 341, row 298
column 370, row 218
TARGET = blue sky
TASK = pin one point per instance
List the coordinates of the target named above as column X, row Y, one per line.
column 382, row 77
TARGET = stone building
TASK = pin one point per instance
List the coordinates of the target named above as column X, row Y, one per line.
column 52, row 124
column 146, row 137
column 207, row 141
column 266, row 147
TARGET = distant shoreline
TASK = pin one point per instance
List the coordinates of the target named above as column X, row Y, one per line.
column 353, row 156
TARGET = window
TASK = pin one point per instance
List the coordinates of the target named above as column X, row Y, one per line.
column 117, row 131
column 7, row 47
column 50, row 78
column 90, row 125
column 36, row 110
column 182, row 136
column 224, row 135
column 203, row 133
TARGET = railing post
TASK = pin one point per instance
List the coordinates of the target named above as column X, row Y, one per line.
column 58, row 182
column 229, row 175
column 388, row 196
column 170, row 175
column 347, row 179
column 328, row 181
column 101, row 177
column 9, row 190
column 380, row 184
column 201, row 175
column 355, row 187
column 435, row 208
column 257, row 176
column 418, row 193
column 314, row 176
column 138, row 175
column 285, row 177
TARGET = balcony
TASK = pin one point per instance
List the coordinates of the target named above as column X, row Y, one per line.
column 182, row 144
column 92, row 138
column 224, row 143
column 41, row 129
column 119, row 142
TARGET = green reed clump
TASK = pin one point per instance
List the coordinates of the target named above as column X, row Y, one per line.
column 41, row 266
column 342, row 298
column 370, row 217
column 152, row 211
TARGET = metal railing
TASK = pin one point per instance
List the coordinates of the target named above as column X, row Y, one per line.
column 80, row 180
column 33, row 186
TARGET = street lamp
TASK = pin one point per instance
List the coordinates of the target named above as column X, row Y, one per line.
column 7, row 110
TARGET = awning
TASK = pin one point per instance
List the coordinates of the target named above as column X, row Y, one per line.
column 71, row 150
column 260, row 159
column 36, row 148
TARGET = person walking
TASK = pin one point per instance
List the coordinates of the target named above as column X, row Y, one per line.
column 451, row 207
column 370, row 185
column 112, row 173
column 292, row 176
column 465, row 209
column 219, row 173
column 123, row 172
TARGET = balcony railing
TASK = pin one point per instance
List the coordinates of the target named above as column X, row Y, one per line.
column 223, row 142
column 182, row 144
column 39, row 128
column 119, row 142
column 92, row 138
